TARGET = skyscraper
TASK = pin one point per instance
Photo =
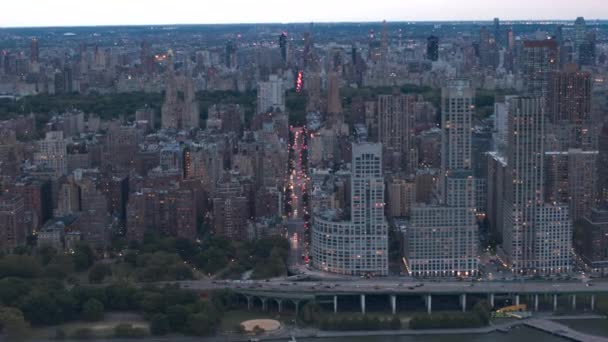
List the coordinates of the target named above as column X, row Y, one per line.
column 358, row 246
column 52, row 151
column 540, row 58
column 34, row 51
column 180, row 109
column 283, row 46
column 571, row 143
column 271, row 95
column 334, row 102
column 497, row 33
column 524, row 174
column 396, row 131
column 535, row 234
column 580, row 33
column 432, row 48
column 442, row 239
column 456, row 123
column 488, row 49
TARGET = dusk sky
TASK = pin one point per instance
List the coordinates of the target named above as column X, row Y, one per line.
column 138, row 12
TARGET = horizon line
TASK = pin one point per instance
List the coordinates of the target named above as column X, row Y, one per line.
column 502, row 21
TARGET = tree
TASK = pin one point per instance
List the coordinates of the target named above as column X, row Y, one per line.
column 46, row 253
column 12, row 290
column 98, row 272
column 93, row 310
column 23, row 266
column 83, row 257
column 201, row 324
column 177, row 316
column 159, row 325
column 41, row 309
column 12, row 323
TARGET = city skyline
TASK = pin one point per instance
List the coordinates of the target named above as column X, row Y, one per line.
column 113, row 12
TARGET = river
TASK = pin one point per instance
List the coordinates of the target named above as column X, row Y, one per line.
column 519, row 334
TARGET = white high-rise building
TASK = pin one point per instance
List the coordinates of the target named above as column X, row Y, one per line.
column 456, row 130
column 536, row 235
column 52, row 153
column 553, row 239
column 442, row 240
column 271, row 95
column 358, row 246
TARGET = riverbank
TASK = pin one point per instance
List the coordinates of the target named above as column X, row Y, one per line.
column 492, row 328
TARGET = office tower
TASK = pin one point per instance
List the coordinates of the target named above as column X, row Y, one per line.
column 334, row 102
column 283, row 46
column 488, row 49
column 432, row 48
column 456, row 122
column 580, row 33
column 358, row 246
column 396, row 128
column 52, row 152
column 180, row 109
column 12, row 227
column 497, row 33
column 34, row 51
column 587, row 50
column 540, row 58
column 271, row 95
column 230, row 57
column 226, row 118
column 510, row 39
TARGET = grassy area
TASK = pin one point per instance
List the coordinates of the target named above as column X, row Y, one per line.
column 101, row 329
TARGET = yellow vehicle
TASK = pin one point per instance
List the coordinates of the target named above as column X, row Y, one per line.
column 513, row 308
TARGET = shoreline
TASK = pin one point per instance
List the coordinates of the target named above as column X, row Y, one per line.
column 501, row 328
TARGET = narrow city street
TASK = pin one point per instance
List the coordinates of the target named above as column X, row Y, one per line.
column 296, row 224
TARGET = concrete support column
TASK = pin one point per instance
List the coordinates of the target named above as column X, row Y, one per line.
column 393, row 304
column 463, row 302
column 248, row 303
column 335, row 304
column 592, row 302
column 554, row 302
column 573, row 302
column 429, row 300
column 297, row 303
column 362, row 303
column 535, row 302
column 491, row 300
column 517, row 299
column 264, row 304
column 280, row 304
